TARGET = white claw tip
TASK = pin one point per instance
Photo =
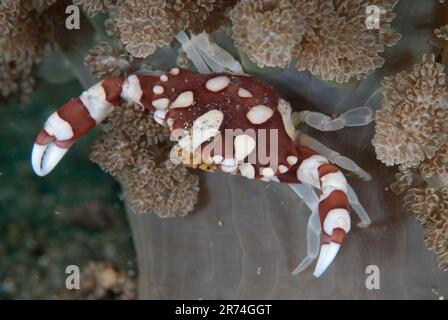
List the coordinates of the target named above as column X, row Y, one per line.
column 36, row 159
column 327, row 254
column 45, row 157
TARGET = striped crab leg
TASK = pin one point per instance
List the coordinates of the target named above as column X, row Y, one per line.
column 77, row 117
column 332, row 207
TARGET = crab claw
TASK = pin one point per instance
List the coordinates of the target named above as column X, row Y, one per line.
column 62, row 129
column 45, row 157
column 336, row 225
column 52, row 143
column 77, row 117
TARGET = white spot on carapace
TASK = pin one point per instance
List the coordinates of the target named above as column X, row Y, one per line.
column 132, row 90
column 282, row 168
column 247, row 170
column 243, row 93
column 267, row 172
column 285, row 111
column 292, row 160
column 157, row 89
column 244, row 145
column 259, row 114
column 204, row 128
column 217, row 84
column 184, row 100
column 175, row 71
column 169, row 123
column 159, row 116
column 308, row 170
column 58, row 127
column 161, row 103
column 164, row 78
column 229, row 165
column 337, row 218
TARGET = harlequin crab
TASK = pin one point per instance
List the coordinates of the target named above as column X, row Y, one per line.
column 197, row 109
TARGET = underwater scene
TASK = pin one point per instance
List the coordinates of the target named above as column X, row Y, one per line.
column 223, row 149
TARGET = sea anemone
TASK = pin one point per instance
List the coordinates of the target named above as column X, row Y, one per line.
column 28, row 31
column 436, row 166
column 427, row 204
column 412, row 124
column 436, row 239
column 431, row 172
column 274, row 32
column 425, row 190
column 411, row 131
column 107, row 61
column 144, row 25
column 9, row 12
column 135, row 150
column 404, row 180
column 93, row 7
column 442, row 32
column 101, row 280
column 266, row 31
column 352, row 51
column 201, row 15
column 430, row 206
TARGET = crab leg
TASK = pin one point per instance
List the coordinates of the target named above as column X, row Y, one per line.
column 356, row 117
column 207, row 56
column 333, row 207
column 359, row 209
column 77, row 117
column 307, row 194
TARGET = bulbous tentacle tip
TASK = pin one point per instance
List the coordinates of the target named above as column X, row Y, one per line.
column 327, row 254
column 44, row 158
